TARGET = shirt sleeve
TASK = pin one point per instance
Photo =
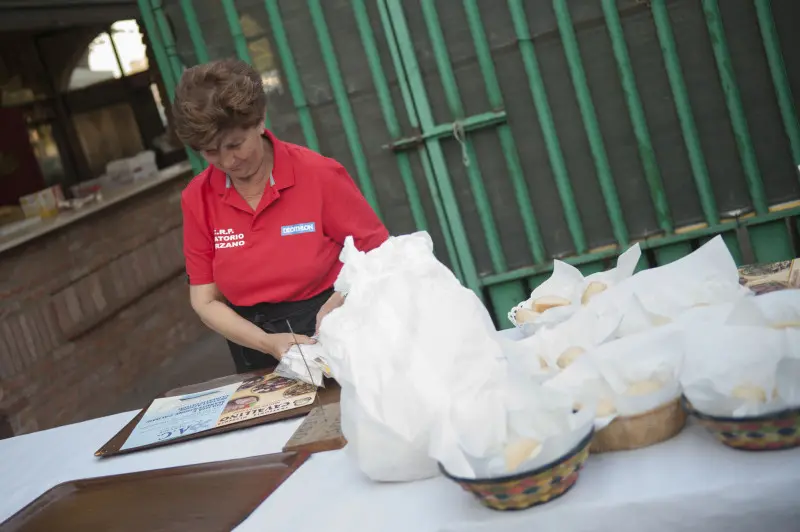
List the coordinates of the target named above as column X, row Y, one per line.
column 345, row 212
column 198, row 247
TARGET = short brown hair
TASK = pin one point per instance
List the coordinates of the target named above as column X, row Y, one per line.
column 217, row 96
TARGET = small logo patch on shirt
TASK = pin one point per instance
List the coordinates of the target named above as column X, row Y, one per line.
column 297, row 229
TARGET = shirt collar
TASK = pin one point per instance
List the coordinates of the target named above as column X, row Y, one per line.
column 282, row 175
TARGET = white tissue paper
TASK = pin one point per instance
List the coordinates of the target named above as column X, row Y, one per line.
column 708, row 276
column 563, row 294
column 750, row 364
column 529, row 427
column 584, row 383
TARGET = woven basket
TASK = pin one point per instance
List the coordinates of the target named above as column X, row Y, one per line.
column 524, row 490
column 770, row 432
column 641, row 430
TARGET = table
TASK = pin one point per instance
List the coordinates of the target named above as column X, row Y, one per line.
column 688, row 483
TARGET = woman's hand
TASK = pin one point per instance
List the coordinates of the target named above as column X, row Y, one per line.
column 334, row 302
column 277, row 344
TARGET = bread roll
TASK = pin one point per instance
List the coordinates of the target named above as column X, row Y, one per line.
column 569, row 355
column 526, row 315
column 548, row 302
column 787, row 325
column 605, row 407
column 644, row 387
column 594, row 288
column 748, row 392
column 520, row 451
column 658, row 321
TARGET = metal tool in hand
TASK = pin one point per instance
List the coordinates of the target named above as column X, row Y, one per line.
column 308, row 369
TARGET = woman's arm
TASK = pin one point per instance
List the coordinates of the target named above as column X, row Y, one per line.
column 208, row 302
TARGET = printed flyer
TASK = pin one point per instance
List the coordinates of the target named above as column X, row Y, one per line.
column 171, row 417
column 262, row 396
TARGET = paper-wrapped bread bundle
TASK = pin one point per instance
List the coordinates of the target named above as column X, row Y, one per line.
column 640, row 374
column 567, row 290
column 750, row 365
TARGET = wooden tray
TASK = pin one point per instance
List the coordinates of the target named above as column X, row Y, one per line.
column 216, row 496
column 329, row 394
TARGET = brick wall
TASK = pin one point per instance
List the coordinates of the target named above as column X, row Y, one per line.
column 88, row 309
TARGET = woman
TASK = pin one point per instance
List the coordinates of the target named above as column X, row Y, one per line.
column 264, row 224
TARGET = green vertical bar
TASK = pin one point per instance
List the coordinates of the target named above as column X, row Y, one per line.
column 195, row 33
column 438, row 164
column 592, row 267
column 239, row 40
column 638, row 120
column 495, row 95
column 454, row 102
column 387, row 109
column 672, row 252
column 744, row 143
column 684, row 110
column 732, row 242
column 504, row 297
column 159, row 51
column 547, row 125
column 590, row 122
column 167, row 39
column 783, row 91
column 292, row 76
column 403, row 158
column 343, row 102
column 771, row 241
column 175, row 66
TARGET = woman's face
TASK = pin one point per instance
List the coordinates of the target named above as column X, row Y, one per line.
column 237, row 152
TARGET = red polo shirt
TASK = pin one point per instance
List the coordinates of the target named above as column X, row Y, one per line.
column 288, row 248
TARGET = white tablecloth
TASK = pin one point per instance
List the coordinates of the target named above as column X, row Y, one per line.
column 689, row 483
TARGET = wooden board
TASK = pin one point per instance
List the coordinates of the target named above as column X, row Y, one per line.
column 320, row 431
column 329, row 394
column 204, row 497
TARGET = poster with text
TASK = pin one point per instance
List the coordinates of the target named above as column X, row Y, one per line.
column 265, row 395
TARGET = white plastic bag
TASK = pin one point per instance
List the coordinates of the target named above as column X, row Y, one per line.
column 407, row 340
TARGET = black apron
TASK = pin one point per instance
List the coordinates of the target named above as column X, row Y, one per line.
column 271, row 317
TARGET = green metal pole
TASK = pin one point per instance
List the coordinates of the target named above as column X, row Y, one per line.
column 408, row 101
column 590, row 122
column 638, row 120
column 509, row 148
column 387, row 109
column 733, row 100
column 398, row 25
column 175, row 66
column 239, row 40
column 684, row 110
column 235, row 26
column 159, row 51
column 547, row 124
column 343, row 102
column 292, row 76
column 195, row 33
column 166, row 38
column 780, row 80
column 454, row 103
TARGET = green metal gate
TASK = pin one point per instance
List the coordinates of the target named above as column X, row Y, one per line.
column 518, row 131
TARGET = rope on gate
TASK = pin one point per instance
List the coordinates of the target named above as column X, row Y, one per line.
column 458, row 134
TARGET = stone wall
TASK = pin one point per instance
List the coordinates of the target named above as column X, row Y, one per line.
column 86, row 310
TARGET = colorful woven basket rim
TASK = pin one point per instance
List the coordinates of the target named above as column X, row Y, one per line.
column 518, row 476
column 750, row 419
